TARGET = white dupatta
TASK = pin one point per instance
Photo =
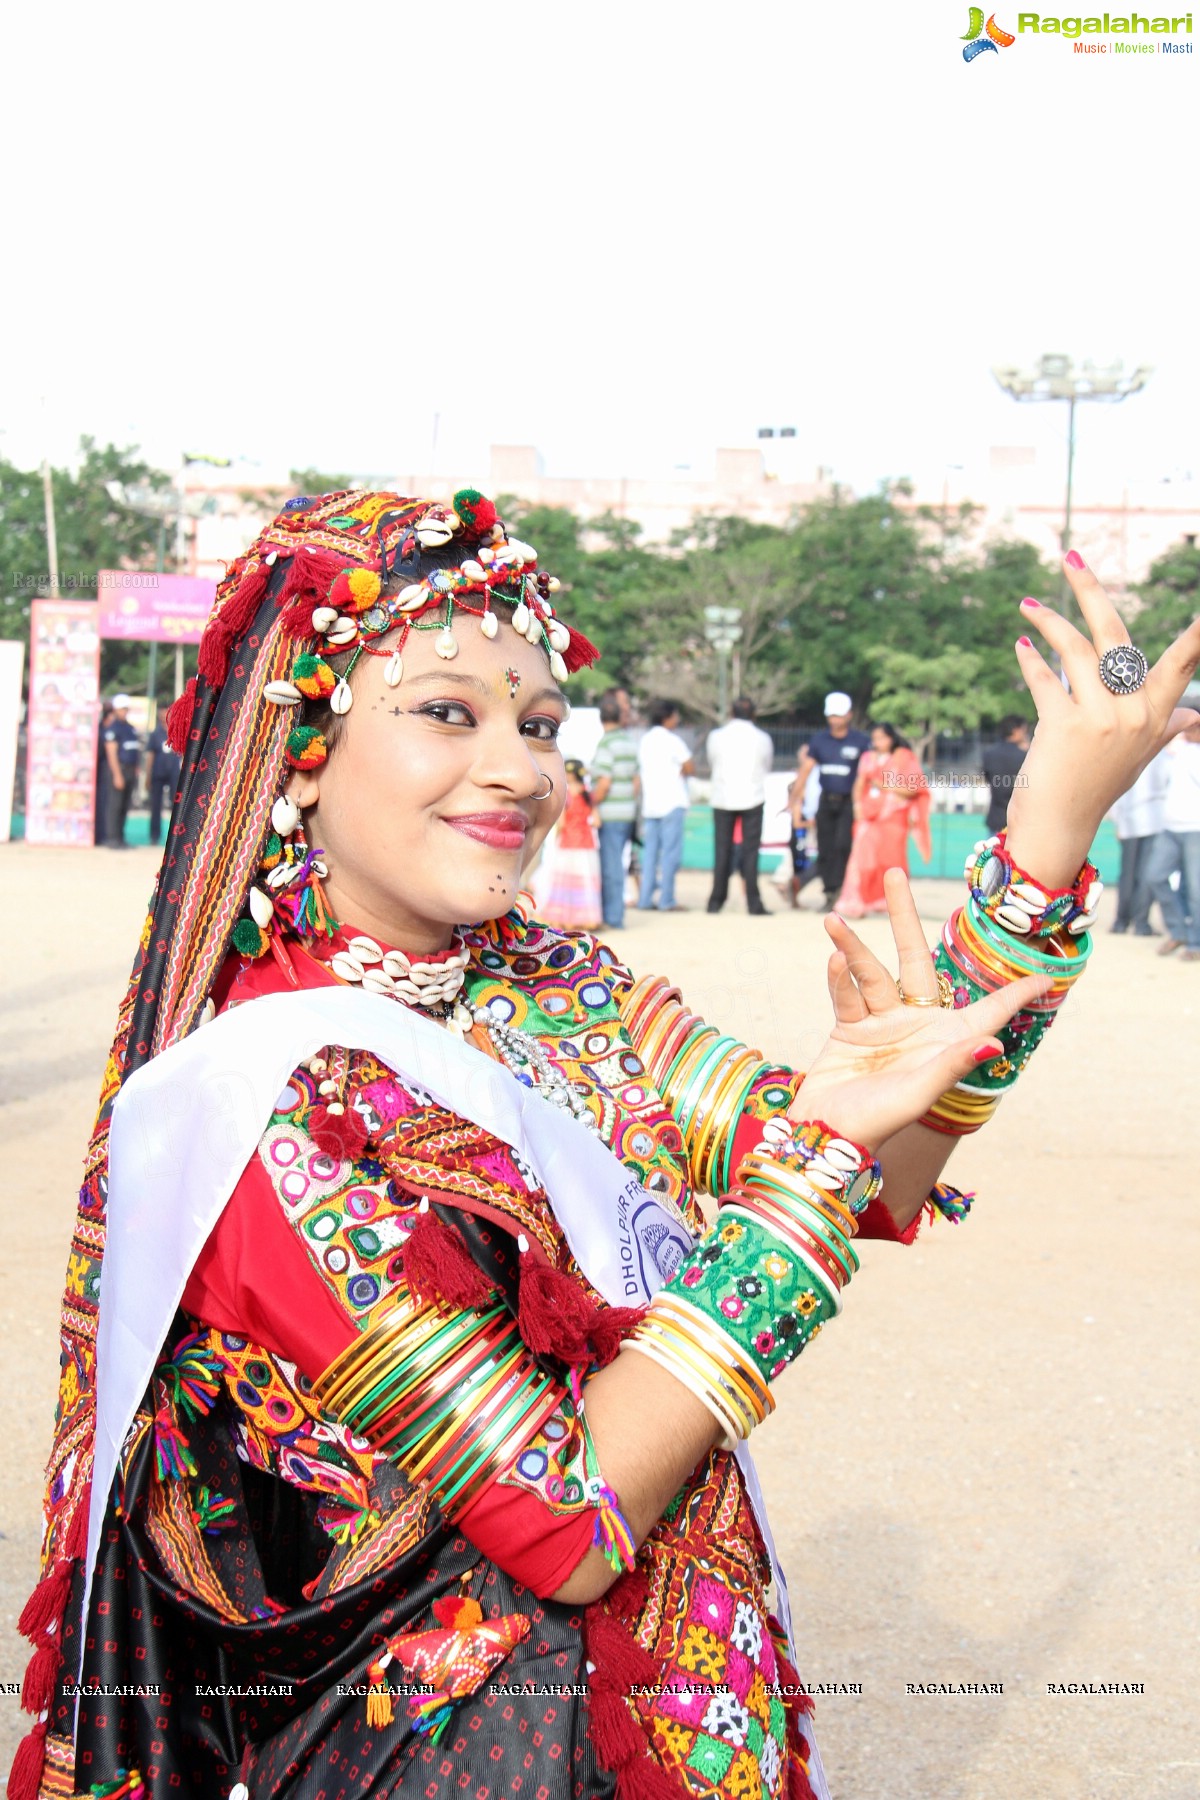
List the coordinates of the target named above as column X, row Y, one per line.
column 185, row 1125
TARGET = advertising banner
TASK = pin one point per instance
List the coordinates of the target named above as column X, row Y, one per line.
column 151, row 608
column 64, row 704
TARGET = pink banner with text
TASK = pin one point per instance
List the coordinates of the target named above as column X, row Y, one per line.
column 162, row 609
column 64, row 704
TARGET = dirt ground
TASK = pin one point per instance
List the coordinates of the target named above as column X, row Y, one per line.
column 985, row 1471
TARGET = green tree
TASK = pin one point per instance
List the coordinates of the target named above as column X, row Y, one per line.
column 1168, row 599
column 94, row 532
column 605, row 586
column 924, row 695
column 317, row 481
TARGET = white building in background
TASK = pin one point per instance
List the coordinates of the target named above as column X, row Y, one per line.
column 1019, row 492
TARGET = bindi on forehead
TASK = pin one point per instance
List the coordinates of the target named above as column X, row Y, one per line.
column 512, row 680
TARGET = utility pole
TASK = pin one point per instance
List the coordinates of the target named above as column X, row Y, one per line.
column 51, row 531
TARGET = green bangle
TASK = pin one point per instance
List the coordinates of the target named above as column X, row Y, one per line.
column 756, row 1290
column 726, row 1173
column 702, row 1075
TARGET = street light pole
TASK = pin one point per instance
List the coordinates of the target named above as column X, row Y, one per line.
column 723, row 629
column 1056, row 378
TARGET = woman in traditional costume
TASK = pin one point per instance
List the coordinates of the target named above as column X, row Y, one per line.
column 405, row 1386
column 891, row 800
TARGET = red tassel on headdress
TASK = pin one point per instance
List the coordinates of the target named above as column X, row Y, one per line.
column 231, row 622
column 37, row 1689
column 580, row 652
column 212, row 658
column 297, row 620
column 438, row 1265
column 46, row 1603
column 310, row 572
column 25, row 1776
column 237, row 614
column 179, row 718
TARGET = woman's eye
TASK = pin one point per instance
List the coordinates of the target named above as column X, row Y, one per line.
column 545, row 731
column 447, row 712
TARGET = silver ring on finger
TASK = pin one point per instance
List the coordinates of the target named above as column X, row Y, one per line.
column 1123, row 669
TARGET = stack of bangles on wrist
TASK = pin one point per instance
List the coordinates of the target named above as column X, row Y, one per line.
column 449, row 1395
column 976, row 956
column 705, row 1079
column 1023, row 906
column 758, row 1287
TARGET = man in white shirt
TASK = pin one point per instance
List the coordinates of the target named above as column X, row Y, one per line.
column 1177, row 848
column 740, row 756
column 1137, row 817
column 664, row 763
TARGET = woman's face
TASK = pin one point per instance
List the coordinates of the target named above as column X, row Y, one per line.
column 881, row 743
column 425, row 812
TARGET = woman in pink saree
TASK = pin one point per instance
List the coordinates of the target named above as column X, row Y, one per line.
column 891, row 798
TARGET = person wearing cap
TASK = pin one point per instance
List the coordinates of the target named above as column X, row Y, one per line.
column 835, row 752
column 122, row 752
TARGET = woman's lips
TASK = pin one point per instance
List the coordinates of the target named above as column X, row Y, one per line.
column 501, row 831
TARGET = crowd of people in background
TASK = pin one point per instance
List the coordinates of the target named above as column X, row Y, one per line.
column 856, row 800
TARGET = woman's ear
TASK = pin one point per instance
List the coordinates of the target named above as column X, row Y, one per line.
column 304, row 788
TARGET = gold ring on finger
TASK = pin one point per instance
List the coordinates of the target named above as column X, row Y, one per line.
column 943, row 997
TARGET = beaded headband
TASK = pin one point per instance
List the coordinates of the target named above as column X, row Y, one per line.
column 349, row 568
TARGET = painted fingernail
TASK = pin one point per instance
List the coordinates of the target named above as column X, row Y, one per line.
column 1074, row 560
column 984, row 1053
column 1025, row 643
column 1031, row 602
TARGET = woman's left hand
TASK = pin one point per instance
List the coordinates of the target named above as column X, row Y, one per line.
column 1090, row 745
column 889, row 1057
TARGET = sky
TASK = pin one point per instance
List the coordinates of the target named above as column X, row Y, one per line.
column 626, row 233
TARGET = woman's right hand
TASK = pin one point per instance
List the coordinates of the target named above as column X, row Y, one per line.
column 885, row 1063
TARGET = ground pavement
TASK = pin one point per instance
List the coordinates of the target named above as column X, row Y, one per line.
column 984, row 1473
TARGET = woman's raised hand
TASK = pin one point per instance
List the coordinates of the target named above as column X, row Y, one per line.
column 1090, row 745
column 885, row 1062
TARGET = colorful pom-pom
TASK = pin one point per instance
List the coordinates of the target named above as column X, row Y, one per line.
column 355, row 590
column 249, row 939
column 314, row 677
column 477, row 513
column 306, row 747
column 273, row 854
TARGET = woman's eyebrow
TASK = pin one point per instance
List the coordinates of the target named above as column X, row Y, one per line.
column 482, row 687
column 442, row 677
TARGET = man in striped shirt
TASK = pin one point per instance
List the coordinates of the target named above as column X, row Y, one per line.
column 614, row 782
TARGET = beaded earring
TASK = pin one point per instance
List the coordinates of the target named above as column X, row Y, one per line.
column 287, row 890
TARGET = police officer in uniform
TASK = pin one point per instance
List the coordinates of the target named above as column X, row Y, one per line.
column 122, row 752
